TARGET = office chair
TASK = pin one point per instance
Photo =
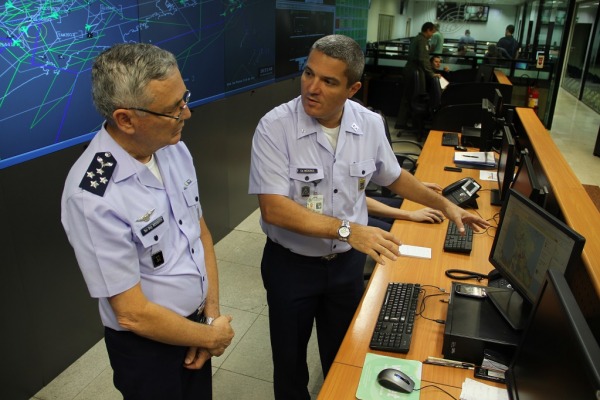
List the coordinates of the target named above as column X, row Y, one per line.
column 420, row 104
column 407, row 157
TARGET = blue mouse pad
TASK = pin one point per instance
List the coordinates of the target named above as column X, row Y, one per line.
column 370, row 389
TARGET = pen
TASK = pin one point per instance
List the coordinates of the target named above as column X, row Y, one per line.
column 466, row 155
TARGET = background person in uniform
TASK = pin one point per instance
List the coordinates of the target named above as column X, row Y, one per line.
column 436, row 42
column 468, row 41
column 509, row 43
column 312, row 159
column 131, row 211
column 418, row 59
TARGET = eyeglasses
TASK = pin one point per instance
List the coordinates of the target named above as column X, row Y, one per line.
column 185, row 99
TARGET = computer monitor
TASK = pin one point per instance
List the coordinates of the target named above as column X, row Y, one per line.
column 506, row 166
column 529, row 240
column 488, row 125
column 558, row 357
column 526, row 181
column 498, row 103
column 484, row 73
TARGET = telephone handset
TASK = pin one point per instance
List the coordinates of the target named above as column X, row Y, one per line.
column 462, row 192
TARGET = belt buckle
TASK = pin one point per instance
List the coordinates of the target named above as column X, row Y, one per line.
column 329, row 257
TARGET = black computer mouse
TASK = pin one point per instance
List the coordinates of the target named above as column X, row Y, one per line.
column 395, row 380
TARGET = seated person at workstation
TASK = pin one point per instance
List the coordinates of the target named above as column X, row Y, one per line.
column 384, row 210
column 436, row 65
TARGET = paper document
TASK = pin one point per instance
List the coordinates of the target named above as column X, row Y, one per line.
column 443, row 82
column 415, row 251
column 488, row 176
column 474, row 390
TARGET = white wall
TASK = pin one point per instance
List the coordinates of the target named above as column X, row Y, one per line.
column 416, row 13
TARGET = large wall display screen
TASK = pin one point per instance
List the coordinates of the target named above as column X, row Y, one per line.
column 47, row 49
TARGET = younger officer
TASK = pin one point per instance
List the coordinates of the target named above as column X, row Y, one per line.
column 312, row 159
column 131, row 210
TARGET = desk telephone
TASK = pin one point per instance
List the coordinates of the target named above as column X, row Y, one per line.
column 462, row 192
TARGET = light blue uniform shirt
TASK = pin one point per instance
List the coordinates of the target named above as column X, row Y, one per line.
column 138, row 229
column 292, row 157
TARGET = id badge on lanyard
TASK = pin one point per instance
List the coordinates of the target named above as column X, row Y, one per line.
column 315, row 200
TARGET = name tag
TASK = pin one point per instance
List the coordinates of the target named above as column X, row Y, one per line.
column 152, row 225
column 307, row 170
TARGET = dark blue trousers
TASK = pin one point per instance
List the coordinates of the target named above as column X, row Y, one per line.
column 148, row 370
column 301, row 290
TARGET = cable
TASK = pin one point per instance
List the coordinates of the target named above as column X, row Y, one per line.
column 422, row 308
column 462, row 275
column 437, row 387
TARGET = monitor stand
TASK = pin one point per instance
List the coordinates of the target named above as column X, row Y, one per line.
column 495, row 197
column 511, row 306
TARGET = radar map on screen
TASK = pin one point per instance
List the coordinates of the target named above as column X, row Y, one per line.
column 47, row 49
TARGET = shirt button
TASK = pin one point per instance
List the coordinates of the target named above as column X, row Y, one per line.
column 156, row 237
column 180, row 222
column 306, row 178
column 363, row 171
column 335, row 190
column 334, row 246
column 196, row 198
column 193, row 251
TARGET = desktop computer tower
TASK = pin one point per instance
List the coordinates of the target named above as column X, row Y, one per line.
column 473, row 325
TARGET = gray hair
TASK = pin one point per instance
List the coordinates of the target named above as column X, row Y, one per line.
column 121, row 74
column 345, row 49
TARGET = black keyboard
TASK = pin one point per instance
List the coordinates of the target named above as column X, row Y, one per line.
column 455, row 242
column 450, row 139
column 394, row 327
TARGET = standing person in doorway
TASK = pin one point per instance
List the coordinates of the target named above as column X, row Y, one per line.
column 312, row 159
column 131, row 211
column 418, row 59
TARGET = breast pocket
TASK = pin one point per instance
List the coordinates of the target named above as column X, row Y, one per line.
column 191, row 194
column 360, row 174
column 152, row 237
column 304, row 180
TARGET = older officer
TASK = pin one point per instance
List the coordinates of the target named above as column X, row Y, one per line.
column 131, row 211
column 311, row 161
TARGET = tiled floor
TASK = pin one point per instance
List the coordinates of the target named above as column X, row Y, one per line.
column 245, row 370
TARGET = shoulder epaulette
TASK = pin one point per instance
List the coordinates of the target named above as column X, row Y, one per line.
column 98, row 174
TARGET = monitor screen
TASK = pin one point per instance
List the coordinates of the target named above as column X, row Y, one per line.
column 558, row 357
column 529, row 240
column 222, row 48
column 506, row 165
column 526, row 181
column 476, row 13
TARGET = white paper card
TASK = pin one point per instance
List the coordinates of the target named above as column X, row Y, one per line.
column 488, row 176
column 415, row 251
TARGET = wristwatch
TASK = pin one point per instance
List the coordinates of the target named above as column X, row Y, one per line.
column 206, row 320
column 344, row 231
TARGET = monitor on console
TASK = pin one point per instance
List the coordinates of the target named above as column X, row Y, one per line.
column 506, row 166
column 529, row 240
column 526, row 181
column 558, row 357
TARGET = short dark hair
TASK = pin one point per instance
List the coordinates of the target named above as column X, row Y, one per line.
column 345, row 49
column 427, row 26
column 510, row 29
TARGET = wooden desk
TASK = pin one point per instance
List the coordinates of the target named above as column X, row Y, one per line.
column 578, row 210
column 342, row 380
column 501, row 77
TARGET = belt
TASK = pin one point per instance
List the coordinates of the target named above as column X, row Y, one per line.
column 197, row 315
column 328, row 257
